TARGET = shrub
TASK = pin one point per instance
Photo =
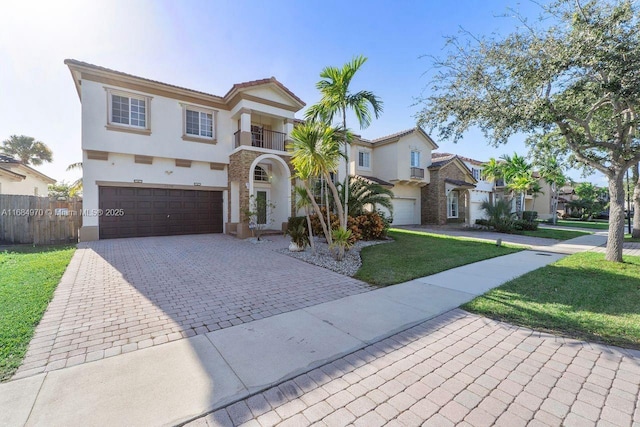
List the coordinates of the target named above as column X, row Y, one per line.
column 368, row 226
column 529, row 215
column 523, row 225
column 299, row 235
column 295, row 221
column 371, row 226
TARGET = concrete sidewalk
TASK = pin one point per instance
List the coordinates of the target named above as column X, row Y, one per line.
column 175, row 382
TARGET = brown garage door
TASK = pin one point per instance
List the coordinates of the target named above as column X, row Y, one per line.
column 141, row 212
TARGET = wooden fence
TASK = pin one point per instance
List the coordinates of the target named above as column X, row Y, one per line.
column 39, row 220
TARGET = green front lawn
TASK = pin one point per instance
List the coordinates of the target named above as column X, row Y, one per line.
column 596, row 225
column 552, row 233
column 29, row 277
column 414, row 254
column 581, row 296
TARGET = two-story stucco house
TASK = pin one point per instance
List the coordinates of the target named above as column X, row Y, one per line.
column 160, row 159
column 19, row 179
column 399, row 161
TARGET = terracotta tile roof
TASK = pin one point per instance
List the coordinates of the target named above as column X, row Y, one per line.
column 465, row 159
column 459, row 183
column 401, row 134
column 109, row 70
column 440, row 159
column 375, row 180
column 394, row 135
column 260, row 82
column 234, row 87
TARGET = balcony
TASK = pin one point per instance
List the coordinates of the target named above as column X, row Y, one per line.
column 264, row 138
column 417, row 173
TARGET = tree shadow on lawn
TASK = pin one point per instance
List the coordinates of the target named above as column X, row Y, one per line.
column 586, row 303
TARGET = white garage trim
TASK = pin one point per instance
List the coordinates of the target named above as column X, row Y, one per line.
column 405, row 211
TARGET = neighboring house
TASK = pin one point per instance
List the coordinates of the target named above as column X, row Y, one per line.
column 20, row 179
column 543, row 202
column 448, row 197
column 483, row 190
column 399, row 161
column 159, row 159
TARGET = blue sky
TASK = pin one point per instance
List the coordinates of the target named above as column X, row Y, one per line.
column 210, row 45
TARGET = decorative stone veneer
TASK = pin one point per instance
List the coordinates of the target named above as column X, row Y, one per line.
column 434, row 196
column 239, row 171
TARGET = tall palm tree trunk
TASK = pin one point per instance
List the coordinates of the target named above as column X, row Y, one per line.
column 326, row 202
column 334, row 191
column 346, row 161
column 312, row 243
column 326, row 232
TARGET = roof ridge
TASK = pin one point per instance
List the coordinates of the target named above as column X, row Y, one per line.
column 240, row 85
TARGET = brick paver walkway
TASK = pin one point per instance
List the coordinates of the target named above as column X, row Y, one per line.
column 456, row 369
column 126, row 294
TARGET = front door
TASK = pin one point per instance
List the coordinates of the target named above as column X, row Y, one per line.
column 262, row 204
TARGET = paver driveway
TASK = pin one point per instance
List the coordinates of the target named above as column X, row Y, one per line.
column 456, row 369
column 125, row 294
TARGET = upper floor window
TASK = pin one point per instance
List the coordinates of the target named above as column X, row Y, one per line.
column 477, row 173
column 199, row 123
column 415, row 159
column 364, row 159
column 128, row 112
column 128, row 109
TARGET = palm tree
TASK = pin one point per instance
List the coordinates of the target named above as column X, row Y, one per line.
column 337, row 99
column 535, row 189
column 551, row 171
column 364, row 193
column 499, row 214
column 304, row 202
column 517, row 176
column 519, row 186
column 315, row 152
column 492, row 170
column 76, row 187
column 27, row 150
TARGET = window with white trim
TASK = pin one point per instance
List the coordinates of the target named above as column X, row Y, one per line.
column 415, row 159
column 364, row 159
column 477, row 173
column 452, row 204
column 199, row 123
column 128, row 110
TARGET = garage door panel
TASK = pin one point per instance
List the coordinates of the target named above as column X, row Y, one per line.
column 404, row 212
column 159, row 212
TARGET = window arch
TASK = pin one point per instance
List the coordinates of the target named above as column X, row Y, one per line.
column 260, row 174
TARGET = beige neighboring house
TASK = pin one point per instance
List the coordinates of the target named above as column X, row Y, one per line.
column 20, row 179
column 400, row 162
column 542, row 203
column 159, row 159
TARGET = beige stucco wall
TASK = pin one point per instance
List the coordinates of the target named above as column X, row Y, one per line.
column 542, row 203
column 26, row 186
column 165, row 145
